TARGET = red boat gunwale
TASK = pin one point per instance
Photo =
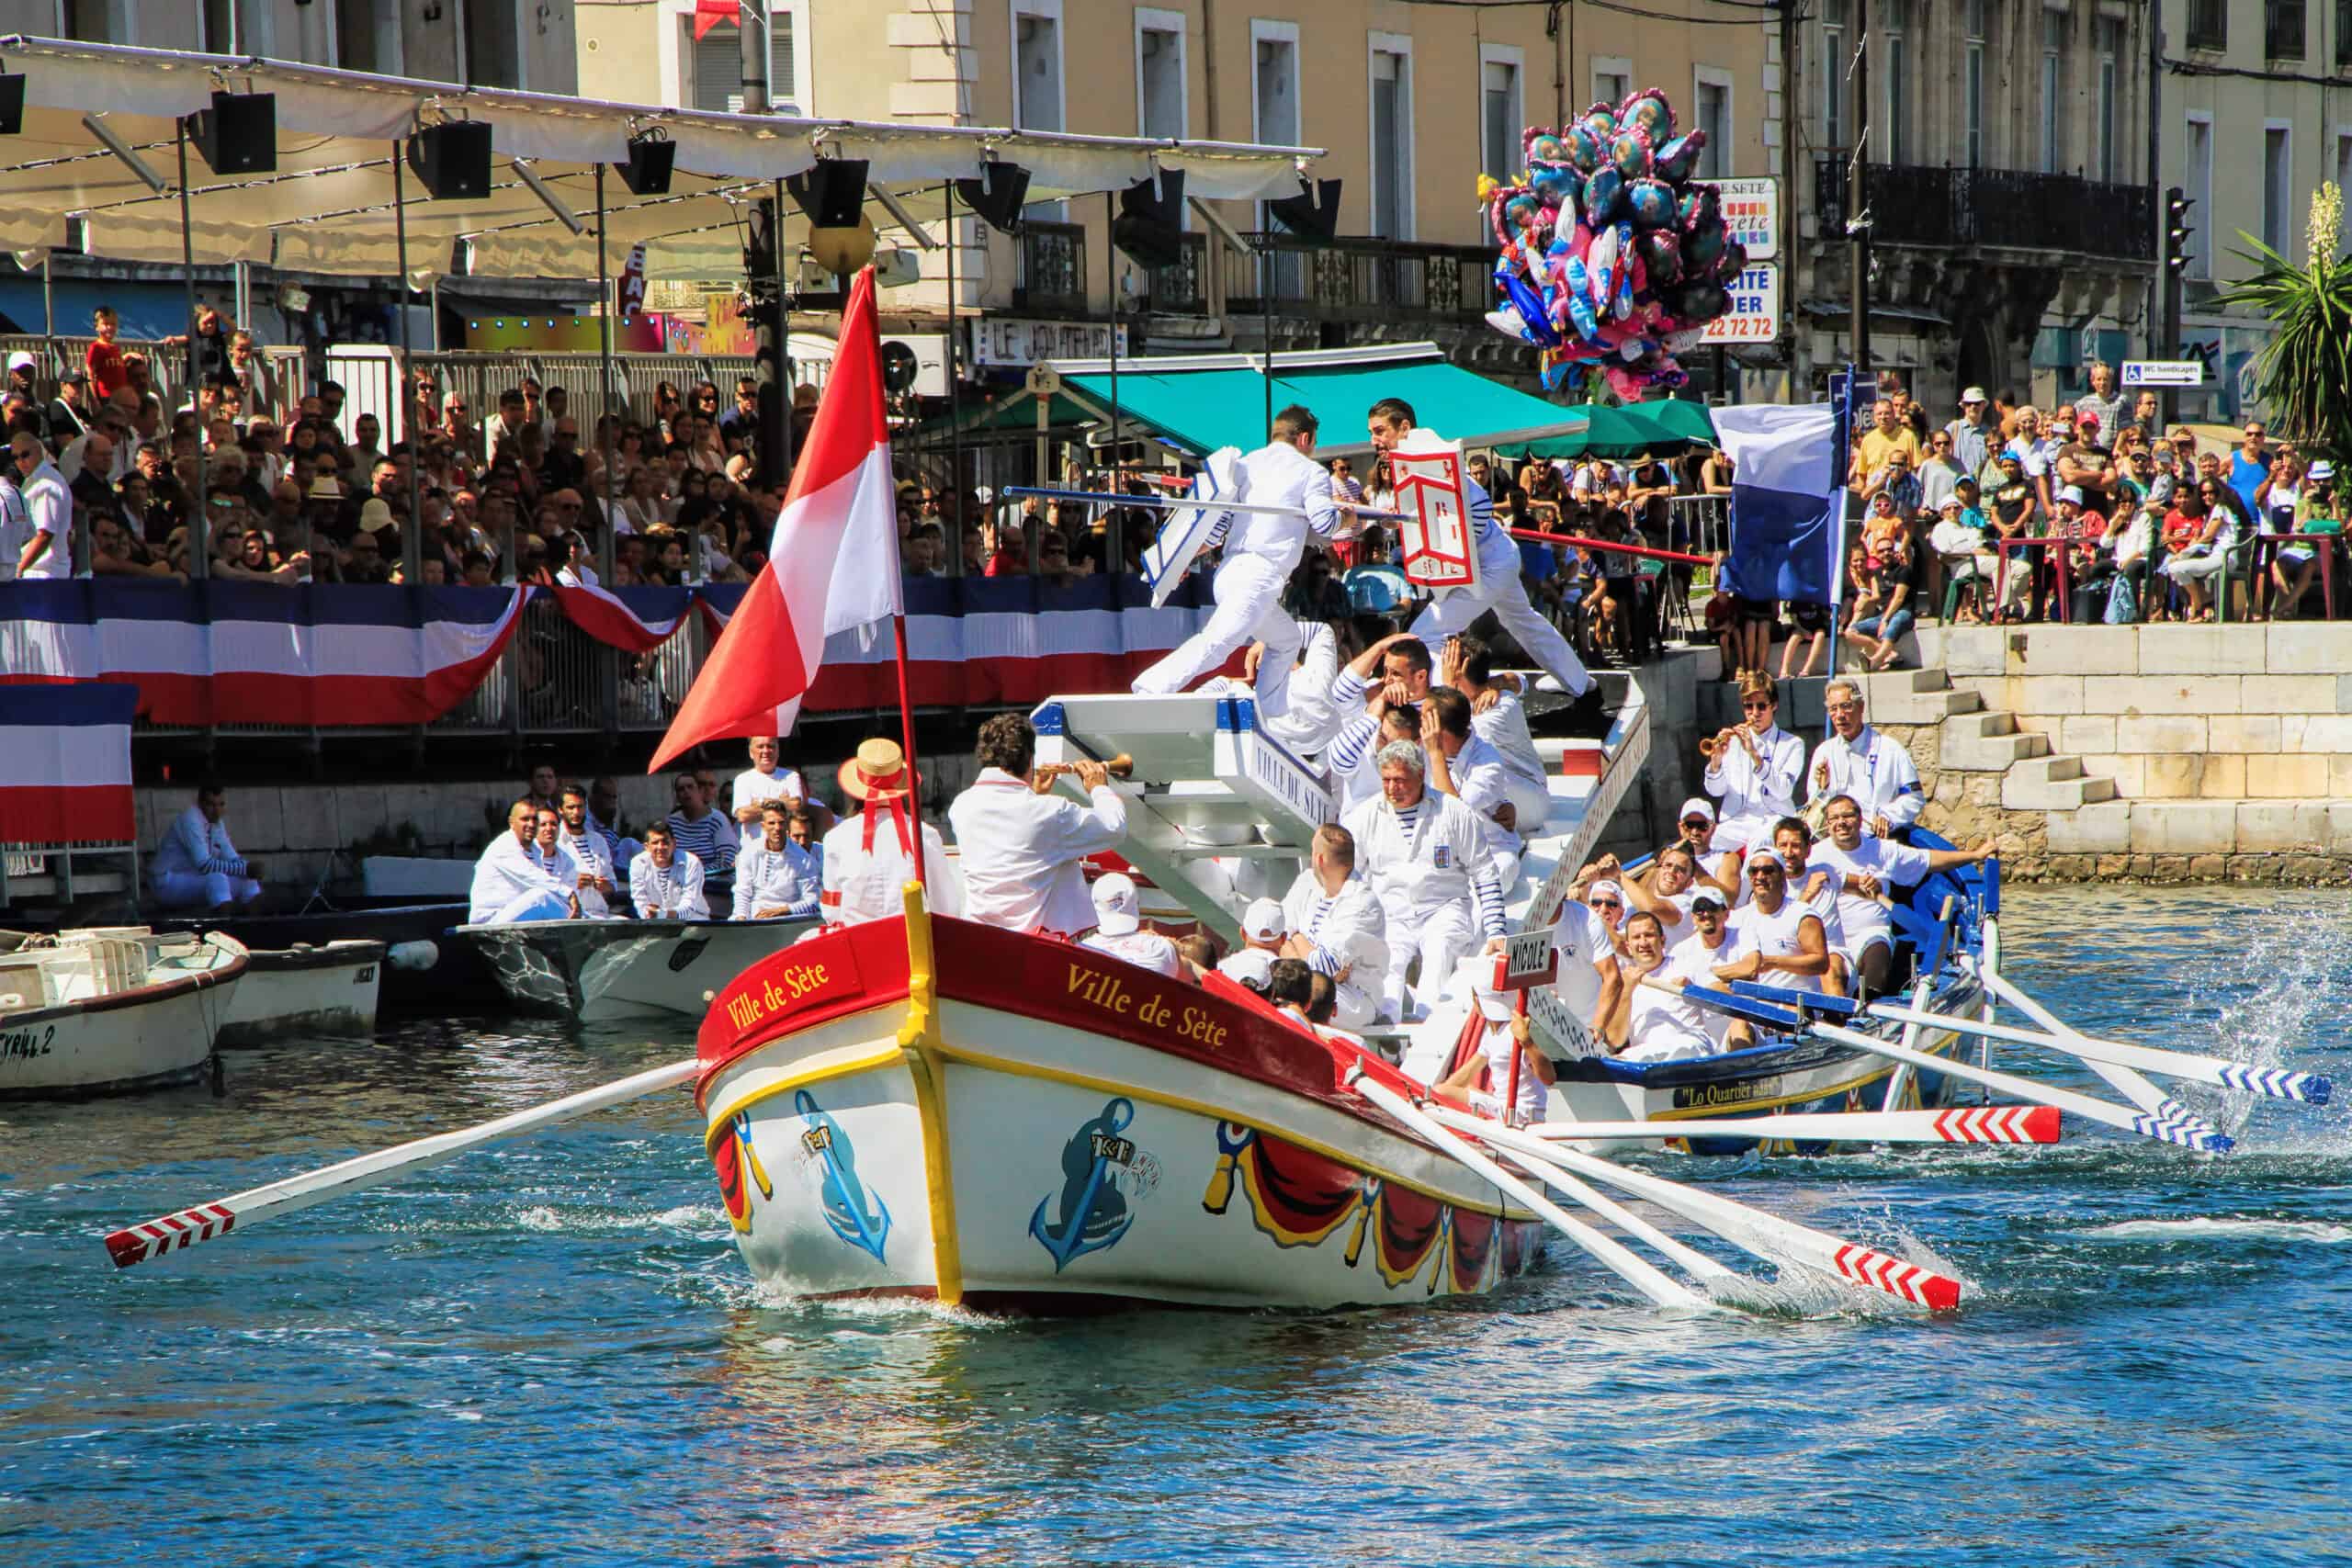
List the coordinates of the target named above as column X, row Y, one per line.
column 1219, row 1024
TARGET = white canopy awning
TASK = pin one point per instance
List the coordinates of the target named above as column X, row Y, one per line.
column 329, row 207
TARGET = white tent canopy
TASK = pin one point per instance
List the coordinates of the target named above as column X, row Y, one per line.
column 329, row 207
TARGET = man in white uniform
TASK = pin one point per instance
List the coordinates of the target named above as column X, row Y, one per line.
column 1500, row 588
column 1118, row 929
column 587, row 847
column 1021, row 848
column 49, row 509
column 665, row 882
column 1697, row 822
column 774, row 879
column 1313, row 719
column 1464, row 766
column 1755, row 768
column 1336, row 927
column 1260, row 548
column 1501, row 720
column 196, row 867
column 767, row 779
column 1857, row 760
column 1781, row 942
column 870, row 858
column 1263, row 927
column 1866, row 870
column 1426, row 858
column 1692, row 962
column 1484, row 1078
column 1654, row 1023
column 1816, row 889
column 525, row 874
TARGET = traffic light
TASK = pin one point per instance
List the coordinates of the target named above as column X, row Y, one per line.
column 2177, row 230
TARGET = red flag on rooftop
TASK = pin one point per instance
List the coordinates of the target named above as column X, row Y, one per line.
column 708, row 14
column 833, row 562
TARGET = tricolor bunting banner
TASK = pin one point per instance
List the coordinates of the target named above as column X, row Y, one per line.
column 222, row 652
column 637, row 619
column 66, row 764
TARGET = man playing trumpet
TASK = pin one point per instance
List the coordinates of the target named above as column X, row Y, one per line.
column 1754, row 767
column 1021, row 847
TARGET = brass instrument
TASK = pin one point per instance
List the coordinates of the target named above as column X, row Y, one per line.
column 1119, row 767
column 1707, row 746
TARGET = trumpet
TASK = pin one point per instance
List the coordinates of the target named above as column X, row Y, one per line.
column 1122, row 766
column 1707, row 746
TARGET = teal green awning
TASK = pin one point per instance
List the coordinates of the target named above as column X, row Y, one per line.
column 1660, row 428
column 1203, row 403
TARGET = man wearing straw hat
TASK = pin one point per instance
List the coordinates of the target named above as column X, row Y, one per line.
column 869, row 855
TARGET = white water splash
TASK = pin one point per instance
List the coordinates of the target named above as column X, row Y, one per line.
column 2208, row 1229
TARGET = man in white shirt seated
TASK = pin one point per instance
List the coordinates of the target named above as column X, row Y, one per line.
column 1336, row 925
column 1464, row 766
column 1866, row 871
column 1483, row 1079
column 1692, row 962
column 767, row 779
column 1023, row 848
column 1262, row 930
column 196, row 867
column 1817, row 890
column 665, row 882
column 1118, row 929
column 525, row 874
column 868, row 858
column 1426, row 858
column 1501, row 720
column 1654, row 1023
column 775, row 879
column 588, row 847
column 1781, row 942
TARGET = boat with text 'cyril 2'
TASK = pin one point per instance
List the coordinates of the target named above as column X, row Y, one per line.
column 95, row 1013
column 926, row 1107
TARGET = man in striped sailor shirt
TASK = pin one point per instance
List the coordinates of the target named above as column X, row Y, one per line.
column 1426, row 858
column 706, row 834
column 589, row 848
column 1335, row 926
column 197, row 867
column 775, row 879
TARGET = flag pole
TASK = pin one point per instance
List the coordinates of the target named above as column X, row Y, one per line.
column 898, row 635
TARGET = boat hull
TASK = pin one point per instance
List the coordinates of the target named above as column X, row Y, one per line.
column 990, row 1144
column 151, row 1037
column 310, row 991
column 425, row 969
column 601, row 970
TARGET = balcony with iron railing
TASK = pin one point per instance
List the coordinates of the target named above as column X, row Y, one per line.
column 1052, row 280
column 2209, row 25
column 1183, row 288
column 2001, row 208
column 1361, row 279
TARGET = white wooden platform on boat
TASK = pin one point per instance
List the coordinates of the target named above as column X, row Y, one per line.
column 99, row 1012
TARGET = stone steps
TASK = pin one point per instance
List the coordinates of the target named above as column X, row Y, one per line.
column 1916, row 696
column 1988, row 743
column 2052, row 783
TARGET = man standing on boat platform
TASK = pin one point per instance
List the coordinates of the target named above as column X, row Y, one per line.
column 198, row 867
column 1261, row 549
column 1857, row 760
column 1021, row 847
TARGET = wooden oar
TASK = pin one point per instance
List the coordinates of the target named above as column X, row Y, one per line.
column 1959, row 1124
column 173, row 1232
column 2278, row 1083
column 1644, row 1277
column 1766, row 1235
column 2190, row 1133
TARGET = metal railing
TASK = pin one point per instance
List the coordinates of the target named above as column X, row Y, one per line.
column 1360, row 278
column 1183, row 289
column 1915, row 205
column 1053, row 269
column 2209, row 24
column 55, row 358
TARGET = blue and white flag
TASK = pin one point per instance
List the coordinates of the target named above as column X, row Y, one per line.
column 1788, row 498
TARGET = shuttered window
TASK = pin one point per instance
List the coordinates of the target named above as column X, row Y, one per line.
column 718, row 67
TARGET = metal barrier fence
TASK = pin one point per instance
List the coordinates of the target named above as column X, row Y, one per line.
column 1700, row 523
column 55, row 358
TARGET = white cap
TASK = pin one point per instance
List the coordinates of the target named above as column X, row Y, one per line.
column 1115, row 905
column 20, row 360
column 1973, row 395
column 2323, row 469
column 1493, row 1002
column 1697, row 805
column 2071, row 493
column 1598, row 888
column 1951, row 503
column 1262, row 920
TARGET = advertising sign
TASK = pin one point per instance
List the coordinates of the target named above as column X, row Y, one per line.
column 1755, row 313
column 1752, row 215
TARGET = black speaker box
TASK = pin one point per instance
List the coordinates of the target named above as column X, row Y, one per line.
column 650, row 158
column 12, row 106
column 1150, row 225
column 453, row 160
column 238, row 135
column 832, row 195
column 997, row 196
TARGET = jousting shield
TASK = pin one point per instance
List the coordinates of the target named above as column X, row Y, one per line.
column 1188, row 529
column 1438, row 552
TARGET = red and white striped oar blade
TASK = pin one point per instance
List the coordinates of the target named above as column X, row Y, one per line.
column 173, row 1232
column 1970, row 1124
column 1766, row 1235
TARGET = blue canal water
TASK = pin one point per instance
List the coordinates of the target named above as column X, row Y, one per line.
column 550, row 1351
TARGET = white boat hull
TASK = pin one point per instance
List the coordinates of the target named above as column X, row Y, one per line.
column 312, row 992
column 597, row 971
column 1010, row 1155
column 96, row 1041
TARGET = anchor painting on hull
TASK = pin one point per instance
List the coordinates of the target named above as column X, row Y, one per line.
column 828, row 1159
column 1102, row 1175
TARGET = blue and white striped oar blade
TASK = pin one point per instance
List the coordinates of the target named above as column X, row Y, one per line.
column 1187, row 530
column 2278, row 1083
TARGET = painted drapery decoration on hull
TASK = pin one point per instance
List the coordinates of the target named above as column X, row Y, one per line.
column 737, row 1159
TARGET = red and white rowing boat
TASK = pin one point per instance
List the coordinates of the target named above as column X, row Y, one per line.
column 925, row 1107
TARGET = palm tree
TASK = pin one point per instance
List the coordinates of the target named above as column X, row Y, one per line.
column 2305, row 370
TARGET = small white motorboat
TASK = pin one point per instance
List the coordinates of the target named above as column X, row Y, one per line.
column 329, row 990
column 101, row 1013
column 595, row 971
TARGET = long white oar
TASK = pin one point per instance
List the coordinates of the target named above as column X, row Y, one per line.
column 2278, row 1083
column 2158, row 1105
column 1644, row 1277
column 172, row 1233
column 1960, row 1124
column 1766, row 1235
column 1693, row 1262
column 2191, row 1132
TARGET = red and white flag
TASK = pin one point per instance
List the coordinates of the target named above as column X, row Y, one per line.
column 833, row 562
